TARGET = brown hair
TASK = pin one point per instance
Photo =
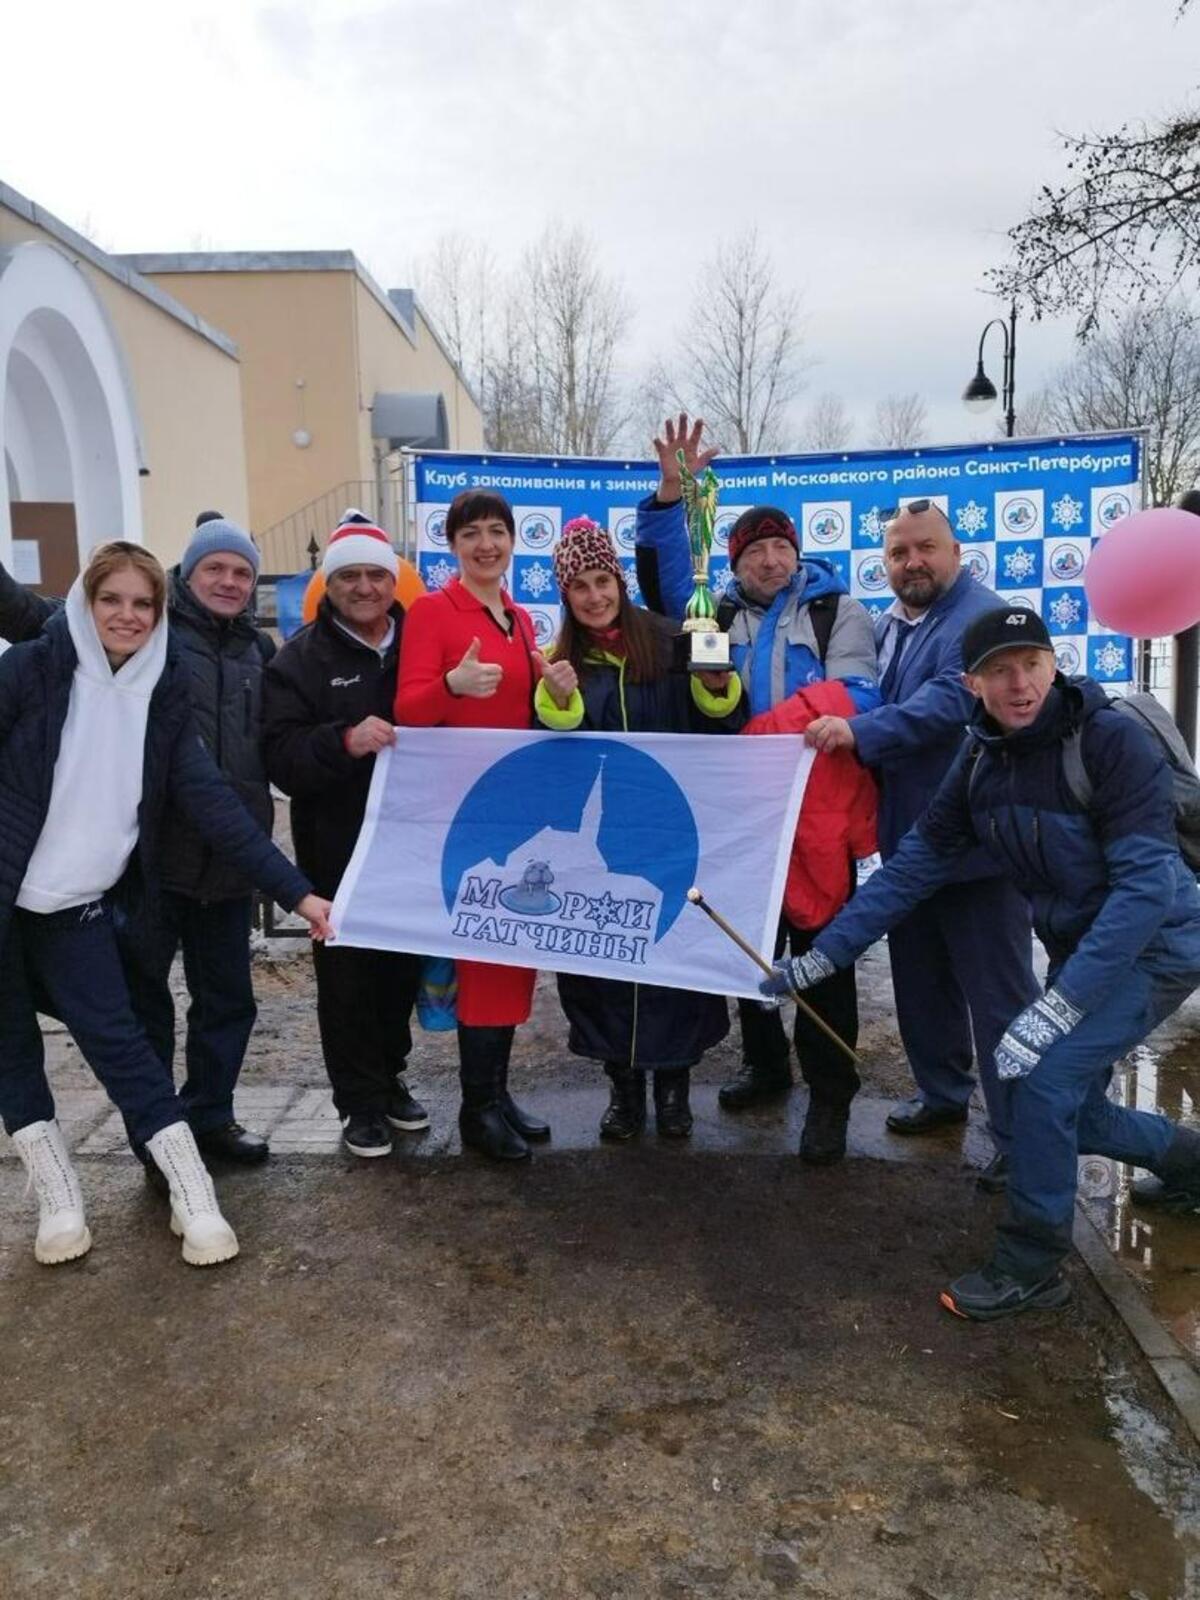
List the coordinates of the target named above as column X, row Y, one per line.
column 108, row 558
column 472, row 505
column 645, row 650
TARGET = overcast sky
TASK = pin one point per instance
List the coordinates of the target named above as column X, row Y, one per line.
column 881, row 147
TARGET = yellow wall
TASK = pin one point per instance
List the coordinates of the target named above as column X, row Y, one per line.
column 188, row 397
column 288, row 326
column 389, row 363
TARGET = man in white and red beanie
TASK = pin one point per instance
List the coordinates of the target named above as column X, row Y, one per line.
column 357, row 542
column 327, row 712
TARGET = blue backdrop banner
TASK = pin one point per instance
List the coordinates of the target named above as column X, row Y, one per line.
column 1027, row 512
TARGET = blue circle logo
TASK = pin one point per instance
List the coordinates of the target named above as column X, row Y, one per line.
column 977, row 564
column 594, row 790
column 1066, row 562
column 826, row 525
column 1022, row 600
column 721, row 529
column 537, row 531
column 625, row 531
column 872, row 573
column 1067, row 658
column 544, row 627
column 1020, row 515
column 1113, row 507
column 435, row 529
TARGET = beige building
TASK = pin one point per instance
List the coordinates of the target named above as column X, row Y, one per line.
column 336, row 376
column 120, row 408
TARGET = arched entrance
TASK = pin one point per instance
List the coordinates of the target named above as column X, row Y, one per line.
column 68, row 423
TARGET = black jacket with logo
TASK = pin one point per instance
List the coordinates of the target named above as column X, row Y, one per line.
column 320, row 684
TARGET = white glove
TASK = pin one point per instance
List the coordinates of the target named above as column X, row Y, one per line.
column 1049, row 1019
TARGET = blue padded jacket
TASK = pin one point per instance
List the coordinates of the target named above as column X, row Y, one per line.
column 1107, row 885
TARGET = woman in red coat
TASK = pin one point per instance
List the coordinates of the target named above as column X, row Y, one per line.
column 468, row 660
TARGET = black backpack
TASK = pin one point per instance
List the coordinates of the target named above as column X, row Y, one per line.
column 1145, row 710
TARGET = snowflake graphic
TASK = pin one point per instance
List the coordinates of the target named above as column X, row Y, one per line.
column 971, row 518
column 721, row 580
column 538, row 580
column 1019, row 564
column 602, row 910
column 1066, row 513
column 870, row 525
column 1036, row 1030
column 1065, row 611
column 440, row 573
column 1110, row 658
column 632, row 587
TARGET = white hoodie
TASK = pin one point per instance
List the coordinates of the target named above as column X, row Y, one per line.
column 91, row 824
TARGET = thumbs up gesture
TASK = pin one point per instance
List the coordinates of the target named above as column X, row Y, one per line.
column 476, row 679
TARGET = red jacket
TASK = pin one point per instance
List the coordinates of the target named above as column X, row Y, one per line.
column 837, row 814
column 438, row 630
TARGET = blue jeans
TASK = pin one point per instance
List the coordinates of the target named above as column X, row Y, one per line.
column 67, row 964
column 962, row 969
column 215, row 936
column 1061, row 1111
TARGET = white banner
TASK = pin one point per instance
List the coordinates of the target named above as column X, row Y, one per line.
column 575, row 852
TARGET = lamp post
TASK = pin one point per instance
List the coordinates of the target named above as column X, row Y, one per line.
column 980, row 393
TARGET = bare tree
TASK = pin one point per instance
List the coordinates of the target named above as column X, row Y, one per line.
column 1144, row 374
column 1124, row 225
column 826, row 425
column 900, row 420
column 741, row 362
column 1036, row 416
column 457, row 283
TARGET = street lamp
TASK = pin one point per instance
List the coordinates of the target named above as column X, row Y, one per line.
column 980, row 393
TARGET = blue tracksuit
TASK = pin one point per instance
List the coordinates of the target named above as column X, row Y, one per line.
column 962, row 961
column 1114, row 904
column 773, row 648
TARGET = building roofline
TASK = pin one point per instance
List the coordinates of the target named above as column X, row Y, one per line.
column 120, row 269
column 168, row 262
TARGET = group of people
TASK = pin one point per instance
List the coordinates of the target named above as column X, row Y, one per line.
column 110, row 861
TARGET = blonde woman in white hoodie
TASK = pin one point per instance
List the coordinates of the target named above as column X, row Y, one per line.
column 96, row 733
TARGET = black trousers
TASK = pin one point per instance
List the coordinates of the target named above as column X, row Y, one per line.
column 364, row 1011
column 830, row 1076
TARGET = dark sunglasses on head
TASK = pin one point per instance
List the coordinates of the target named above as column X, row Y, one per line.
column 890, row 513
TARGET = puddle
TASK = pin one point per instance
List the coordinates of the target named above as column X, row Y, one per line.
column 1159, row 1470
column 1162, row 1253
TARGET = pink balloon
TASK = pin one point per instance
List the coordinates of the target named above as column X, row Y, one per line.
column 1143, row 578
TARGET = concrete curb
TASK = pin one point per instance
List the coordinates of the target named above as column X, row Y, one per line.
column 1165, row 1356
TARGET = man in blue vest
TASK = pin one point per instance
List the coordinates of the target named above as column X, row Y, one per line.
column 962, row 960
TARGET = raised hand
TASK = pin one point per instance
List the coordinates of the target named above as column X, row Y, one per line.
column 476, row 679
column 680, row 436
column 368, row 737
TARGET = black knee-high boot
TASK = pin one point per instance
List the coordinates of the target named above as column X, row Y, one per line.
column 482, row 1124
column 529, row 1127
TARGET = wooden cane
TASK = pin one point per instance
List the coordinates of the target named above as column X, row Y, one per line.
column 747, row 948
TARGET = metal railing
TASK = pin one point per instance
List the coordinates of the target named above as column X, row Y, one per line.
column 295, row 542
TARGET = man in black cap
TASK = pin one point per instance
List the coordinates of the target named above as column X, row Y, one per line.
column 1114, row 904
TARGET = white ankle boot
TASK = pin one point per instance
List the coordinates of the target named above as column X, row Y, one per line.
column 207, row 1237
column 62, row 1231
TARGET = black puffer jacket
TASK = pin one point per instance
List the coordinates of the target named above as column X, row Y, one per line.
column 224, row 662
column 178, row 775
column 320, row 684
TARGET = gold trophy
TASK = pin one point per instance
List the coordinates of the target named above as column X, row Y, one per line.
column 709, row 650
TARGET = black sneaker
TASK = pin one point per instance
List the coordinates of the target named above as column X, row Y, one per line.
column 1175, row 1189
column 365, row 1133
column 403, row 1112
column 989, row 1294
column 754, row 1086
column 993, row 1179
column 823, row 1141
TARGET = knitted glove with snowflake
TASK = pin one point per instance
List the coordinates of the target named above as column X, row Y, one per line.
column 1049, row 1019
column 792, row 975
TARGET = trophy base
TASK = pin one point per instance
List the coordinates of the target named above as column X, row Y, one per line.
column 708, row 651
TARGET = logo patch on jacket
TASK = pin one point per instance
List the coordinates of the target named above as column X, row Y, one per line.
column 344, row 683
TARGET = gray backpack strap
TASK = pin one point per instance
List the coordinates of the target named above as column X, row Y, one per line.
column 1074, row 770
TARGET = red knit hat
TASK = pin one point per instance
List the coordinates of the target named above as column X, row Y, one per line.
column 584, row 547
column 357, row 542
column 760, row 522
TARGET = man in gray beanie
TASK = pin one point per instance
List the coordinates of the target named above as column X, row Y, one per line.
column 205, row 905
